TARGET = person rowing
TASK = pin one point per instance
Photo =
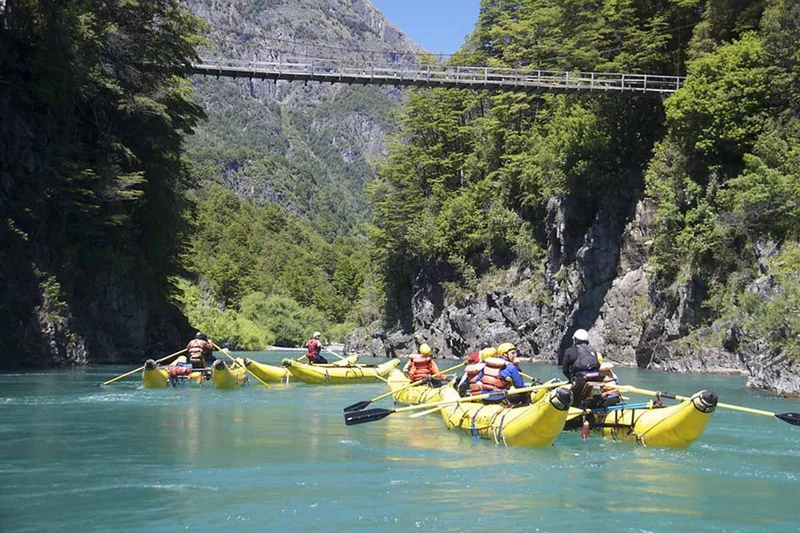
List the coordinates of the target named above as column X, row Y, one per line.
column 201, row 351
column 501, row 373
column 468, row 384
column 314, row 350
column 496, row 372
column 421, row 366
column 581, row 364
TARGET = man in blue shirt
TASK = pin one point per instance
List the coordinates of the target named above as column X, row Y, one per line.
column 500, row 374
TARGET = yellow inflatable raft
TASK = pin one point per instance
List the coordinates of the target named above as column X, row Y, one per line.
column 267, row 373
column 160, row 377
column 338, row 375
column 228, row 377
column 411, row 395
column 277, row 374
column 675, row 426
column 535, row 425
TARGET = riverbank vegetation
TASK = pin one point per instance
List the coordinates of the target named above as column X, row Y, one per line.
column 261, row 277
column 467, row 183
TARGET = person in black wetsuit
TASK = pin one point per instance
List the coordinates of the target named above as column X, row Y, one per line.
column 581, row 364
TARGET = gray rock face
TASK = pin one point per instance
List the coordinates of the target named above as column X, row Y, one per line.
column 622, row 318
column 774, row 372
column 579, row 271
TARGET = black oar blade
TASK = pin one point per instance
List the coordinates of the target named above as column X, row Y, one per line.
column 791, row 418
column 357, row 406
column 362, row 417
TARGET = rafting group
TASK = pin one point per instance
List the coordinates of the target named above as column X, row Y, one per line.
column 197, row 365
column 487, row 398
column 491, row 400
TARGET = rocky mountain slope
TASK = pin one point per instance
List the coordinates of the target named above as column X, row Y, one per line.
column 307, row 147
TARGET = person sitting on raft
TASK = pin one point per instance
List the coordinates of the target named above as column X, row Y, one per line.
column 201, row 351
column 422, row 366
column 604, row 392
column 314, row 350
column 469, row 381
column 497, row 374
column 581, row 364
column 501, row 374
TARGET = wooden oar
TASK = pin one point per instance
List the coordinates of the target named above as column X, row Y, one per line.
column 142, row 367
column 371, row 415
column 336, row 354
column 232, row 358
column 358, row 406
column 789, row 418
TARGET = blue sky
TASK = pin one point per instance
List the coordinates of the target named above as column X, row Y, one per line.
column 436, row 25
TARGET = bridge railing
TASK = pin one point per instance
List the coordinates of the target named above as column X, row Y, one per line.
column 439, row 75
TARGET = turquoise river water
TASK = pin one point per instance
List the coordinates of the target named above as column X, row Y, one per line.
column 78, row 457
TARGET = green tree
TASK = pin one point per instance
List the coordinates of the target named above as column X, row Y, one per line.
column 94, row 115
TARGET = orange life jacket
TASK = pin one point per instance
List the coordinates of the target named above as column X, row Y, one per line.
column 472, row 377
column 195, row 348
column 421, row 367
column 177, row 371
column 491, row 380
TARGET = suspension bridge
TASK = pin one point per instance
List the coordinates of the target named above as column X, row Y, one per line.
column 326, row 70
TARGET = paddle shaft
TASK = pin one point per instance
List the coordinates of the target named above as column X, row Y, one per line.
column 232, row 358
column 142, row 367
column 686, row 399
column 334, row 353
column 435, row 409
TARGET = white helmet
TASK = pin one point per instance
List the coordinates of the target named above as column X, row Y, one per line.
column 317, row 334
column 580, row 335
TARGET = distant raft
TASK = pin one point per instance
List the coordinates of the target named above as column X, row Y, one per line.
column 176, row 374
column 535, row 425
column 675, row 426
column 228, row 377
column 338, row 375
column 411, row 395
column 277, row 374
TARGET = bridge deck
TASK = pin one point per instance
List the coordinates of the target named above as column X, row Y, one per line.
column 332, row 71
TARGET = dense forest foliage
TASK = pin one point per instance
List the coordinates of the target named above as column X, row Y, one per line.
column 278, row 241
column 92, row 177
column 308, row 160
column 260, row 277
column 468, row 180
